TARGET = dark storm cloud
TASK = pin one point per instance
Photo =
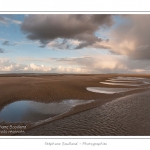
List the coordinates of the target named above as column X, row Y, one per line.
column 2, row 51
column 102, row 19
column 88, row 39
column 82, row 45
column 132, row 38
column 142, row 52
column 50, row 27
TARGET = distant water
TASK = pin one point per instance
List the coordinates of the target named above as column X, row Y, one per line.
column 31, row 111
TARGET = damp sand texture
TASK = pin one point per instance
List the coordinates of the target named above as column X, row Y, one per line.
column 56, row 88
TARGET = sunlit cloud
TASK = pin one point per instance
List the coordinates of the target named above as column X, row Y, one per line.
column 73, row 43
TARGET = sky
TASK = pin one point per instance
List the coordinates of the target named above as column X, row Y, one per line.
column 75, row 43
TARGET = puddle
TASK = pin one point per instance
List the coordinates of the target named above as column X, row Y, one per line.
column 127, row 78
column 126, row 84
column 125, row 81
column 130, row 81
column 109, row 90
column 31, row 111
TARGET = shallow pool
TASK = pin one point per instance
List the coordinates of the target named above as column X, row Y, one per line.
column 109, row 90
column 125, row 84
column 31, row 111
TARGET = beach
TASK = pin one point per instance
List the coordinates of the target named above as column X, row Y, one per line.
column 127, row 116
column 87, row 119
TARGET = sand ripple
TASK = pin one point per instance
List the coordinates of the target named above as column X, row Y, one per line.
column 124, row 116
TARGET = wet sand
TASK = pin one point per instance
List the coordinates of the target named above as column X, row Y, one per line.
column 52, row 88
column 127, row 116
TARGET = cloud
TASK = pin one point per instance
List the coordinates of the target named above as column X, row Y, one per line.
column 3, row 20
column 141, row 53
column 2, row 50
column 62, row 69
column 7, row 43
column 107, row 64
column 59, row 69
column 86, row 64
column 47, row 28
column 63, row 44
column 132, row 37
column 37, row 68
column 6, row 65
column 96, row 64
column 16, row 21
column 93, row 63
column 6, row 21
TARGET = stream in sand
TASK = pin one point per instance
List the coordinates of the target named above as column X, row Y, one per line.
column 31, row 111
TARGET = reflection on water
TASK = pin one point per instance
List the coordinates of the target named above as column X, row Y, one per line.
column 109, row 90
column 127, row 116
column 25, row 111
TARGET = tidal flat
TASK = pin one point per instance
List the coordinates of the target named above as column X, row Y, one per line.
column 60, row 104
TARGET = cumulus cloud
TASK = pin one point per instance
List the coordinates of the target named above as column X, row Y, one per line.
column 69, row 69
column 6, row 65
column 107, row 64
column 97, row 64
column 37, row 68
column 86, row 64
column 47, row 28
